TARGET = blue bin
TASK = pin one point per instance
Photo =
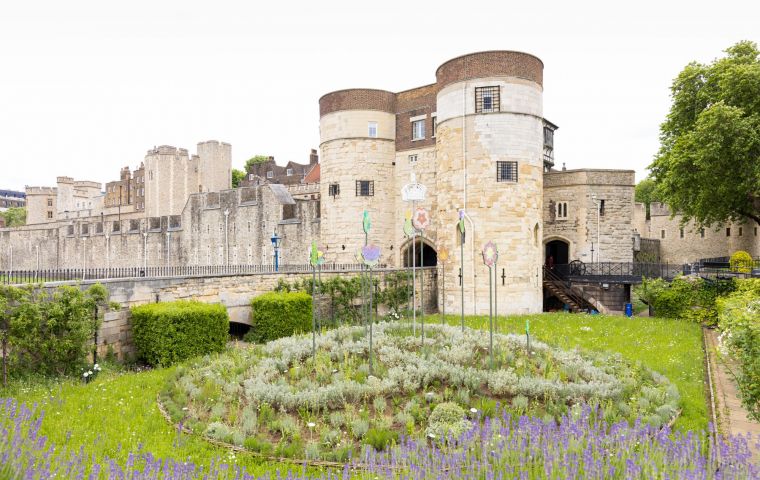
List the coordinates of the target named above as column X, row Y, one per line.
column 629, row 310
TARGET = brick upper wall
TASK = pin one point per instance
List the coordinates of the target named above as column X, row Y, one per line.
column 357, row 99
column 491, row 64
column 412, row 103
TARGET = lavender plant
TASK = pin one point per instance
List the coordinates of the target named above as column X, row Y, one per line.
column 581, row 446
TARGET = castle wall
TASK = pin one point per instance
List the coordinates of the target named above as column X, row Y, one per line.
column 688, row 243
column 507, row 213
column 170, row 177
column 579, row 227
column 350, row 155
column 41, row 205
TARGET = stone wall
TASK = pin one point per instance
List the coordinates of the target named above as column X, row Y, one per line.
column 234, row 292
column 688, row 243
column 578, row 228
column 201, row 235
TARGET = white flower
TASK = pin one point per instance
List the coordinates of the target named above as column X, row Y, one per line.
column 473, row 410
column 86, row 374
column 311, row 424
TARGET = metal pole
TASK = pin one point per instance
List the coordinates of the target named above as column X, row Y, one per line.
column 461, row 273
column 422, row 286
column 414, row 273
column 443, row 294
column 490, row 315
column 371, row 294
column 495, row 290
column 313, row 316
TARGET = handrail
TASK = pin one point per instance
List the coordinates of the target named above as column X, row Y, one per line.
column 567, row 290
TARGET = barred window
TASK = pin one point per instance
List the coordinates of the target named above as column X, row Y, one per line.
column 486, row 99
column 506, row 171
column 412, row 158
column 333, row 190
column 365, row 188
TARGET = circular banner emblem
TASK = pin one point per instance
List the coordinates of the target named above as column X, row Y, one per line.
column 371, row 255
column 490, row 254
column 443, row 254
column 421, row 219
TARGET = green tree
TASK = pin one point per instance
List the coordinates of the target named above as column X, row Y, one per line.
column 255, row 160
column 645, row 193
column 237, row 176
column 708, row 166
column 14, row 216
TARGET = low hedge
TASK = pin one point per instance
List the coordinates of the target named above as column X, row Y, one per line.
column 279, row 314
column 169, row 332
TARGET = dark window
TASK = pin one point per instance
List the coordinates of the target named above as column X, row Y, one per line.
column 319, row 209
column 365, row 188
column 50, row 214
column 548, row 137
column 334, row 189
column 506, row 171
column 50, row 202
column 70, row 230
column 486, row 99
column 728, row 232
column 85, row 229
column 662, row 233
column 741, row 230
column 755, row 231
column 601, row 208
column 116, row 227
column 702, row 232
column 681, row 233
column 288, row 212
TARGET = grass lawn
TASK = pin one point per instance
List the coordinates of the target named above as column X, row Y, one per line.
column 671, row 347
column 117, row 412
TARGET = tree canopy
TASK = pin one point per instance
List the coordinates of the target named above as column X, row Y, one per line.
column 14, row 216
column 708, row 166
column 645, row 193
column 237, row 176
column 254, row 160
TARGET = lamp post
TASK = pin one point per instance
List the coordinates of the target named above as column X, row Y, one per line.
column 597, row 203
column 276, row 245
column 226, row 235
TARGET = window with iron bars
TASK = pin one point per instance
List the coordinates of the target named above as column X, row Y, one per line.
column 486, row 99
column 365, row 188
column 333, row 190
column 506, row 172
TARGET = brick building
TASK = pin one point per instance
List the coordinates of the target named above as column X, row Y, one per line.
column 290, row 174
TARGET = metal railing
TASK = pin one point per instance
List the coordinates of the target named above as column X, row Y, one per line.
column 621, row 270
column 14, row 277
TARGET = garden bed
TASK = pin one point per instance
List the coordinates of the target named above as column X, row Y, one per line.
column 275, row 400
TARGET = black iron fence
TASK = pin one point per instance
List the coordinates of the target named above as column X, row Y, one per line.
column 77, row 274
column 621, row 270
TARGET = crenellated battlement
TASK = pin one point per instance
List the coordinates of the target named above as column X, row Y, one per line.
column 41, row 190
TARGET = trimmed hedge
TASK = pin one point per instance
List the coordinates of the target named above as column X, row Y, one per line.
column 169, row 332
column 279, row 314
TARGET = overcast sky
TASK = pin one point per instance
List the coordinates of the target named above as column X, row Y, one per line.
column 86, row 87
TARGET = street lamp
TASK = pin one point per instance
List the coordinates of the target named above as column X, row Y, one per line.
column 597, row 202
column 276, row 245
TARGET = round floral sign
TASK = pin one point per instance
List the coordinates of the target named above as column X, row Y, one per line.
column 421, row 219
column 490, row 254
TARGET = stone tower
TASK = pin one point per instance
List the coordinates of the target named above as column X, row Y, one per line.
column 357, row 131
column 215, row 166
column 489, row 155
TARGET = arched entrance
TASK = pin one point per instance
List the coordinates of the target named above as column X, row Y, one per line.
column 424, row 252
column 558, row 251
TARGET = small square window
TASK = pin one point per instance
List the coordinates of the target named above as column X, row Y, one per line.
column 418, row 130
column 412, row 159
column 372, row 129
column 333, row 189
column 486, row 99
column 506, row 171
column 365, row 188
column 289, row 172
column 270, row 174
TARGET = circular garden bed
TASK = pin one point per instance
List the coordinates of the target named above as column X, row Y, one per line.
column 274, row 399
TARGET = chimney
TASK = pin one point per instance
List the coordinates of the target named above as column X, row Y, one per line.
column 313, row 157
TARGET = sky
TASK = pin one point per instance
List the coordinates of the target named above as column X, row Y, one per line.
column 87, row 87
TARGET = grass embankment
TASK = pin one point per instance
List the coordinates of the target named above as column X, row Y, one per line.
column 117, row 412
column 670, row 347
